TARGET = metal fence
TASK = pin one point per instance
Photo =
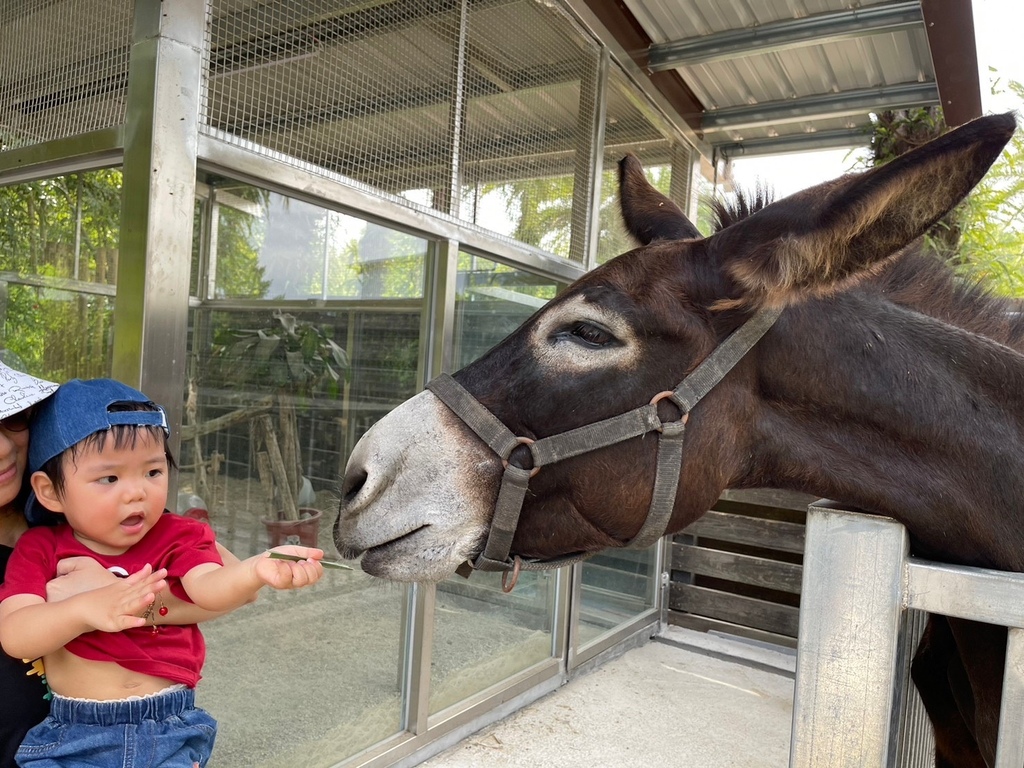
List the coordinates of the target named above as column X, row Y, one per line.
column 859, row 586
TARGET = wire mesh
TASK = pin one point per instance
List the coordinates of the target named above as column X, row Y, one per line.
column 372, row 93
column 363, row 90
column 63, row 68
column 630, row 127
column 530, row 109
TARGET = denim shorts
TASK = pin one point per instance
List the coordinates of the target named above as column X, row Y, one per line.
column 165, row 729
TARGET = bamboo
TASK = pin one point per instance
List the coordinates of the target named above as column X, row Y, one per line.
column 291, row 511
column 289, row 442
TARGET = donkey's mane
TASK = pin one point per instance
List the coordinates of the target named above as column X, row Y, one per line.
column 916, row 278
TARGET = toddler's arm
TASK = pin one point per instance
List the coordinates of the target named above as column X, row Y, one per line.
column 30, row 627
column 81, row 574
column 224, row 588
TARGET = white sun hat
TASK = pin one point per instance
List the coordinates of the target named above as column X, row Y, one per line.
column 18, row 390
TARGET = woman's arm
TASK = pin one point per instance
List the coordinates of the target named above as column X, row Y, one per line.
column 30, row 627
column 76, row 575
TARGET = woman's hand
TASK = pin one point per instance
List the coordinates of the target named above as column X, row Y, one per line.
column 76, row 575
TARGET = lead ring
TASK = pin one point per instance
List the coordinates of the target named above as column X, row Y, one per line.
column 522, row 441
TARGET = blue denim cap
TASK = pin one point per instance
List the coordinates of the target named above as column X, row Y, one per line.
column 80, row 408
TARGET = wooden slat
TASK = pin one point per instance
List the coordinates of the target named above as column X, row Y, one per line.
column 756, row 531
column 748, row 611
column 746, row 569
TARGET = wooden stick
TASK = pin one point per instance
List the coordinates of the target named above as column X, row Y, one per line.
column 291, row 512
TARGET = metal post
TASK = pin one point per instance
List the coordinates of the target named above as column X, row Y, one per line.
column 589, row 163
column 851, row 605
column 158, row 199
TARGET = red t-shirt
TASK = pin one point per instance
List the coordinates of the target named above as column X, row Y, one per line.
column 175, row 543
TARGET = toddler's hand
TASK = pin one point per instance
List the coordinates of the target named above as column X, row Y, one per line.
column 121, row 605
column 288, row 574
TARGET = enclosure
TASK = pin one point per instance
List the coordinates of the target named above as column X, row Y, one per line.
column 282, row 219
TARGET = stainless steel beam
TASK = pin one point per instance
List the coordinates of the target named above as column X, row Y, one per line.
column 158, row 198
column 841, row 138
column 831, row 105
column 777, row 36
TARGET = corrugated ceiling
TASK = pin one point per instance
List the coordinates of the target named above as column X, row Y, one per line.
column 762, row 76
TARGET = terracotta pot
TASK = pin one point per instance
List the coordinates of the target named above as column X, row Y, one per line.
column 303, row 531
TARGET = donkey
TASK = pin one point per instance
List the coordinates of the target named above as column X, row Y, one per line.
column 819, row 350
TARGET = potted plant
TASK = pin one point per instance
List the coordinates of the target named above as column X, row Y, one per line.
column 298, row 359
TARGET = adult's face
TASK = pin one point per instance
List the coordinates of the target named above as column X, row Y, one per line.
column 13, row 455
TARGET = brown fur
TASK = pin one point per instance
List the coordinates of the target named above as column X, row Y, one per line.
column 886, row 384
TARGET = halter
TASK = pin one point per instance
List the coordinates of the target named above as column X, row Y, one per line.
column 600, row 434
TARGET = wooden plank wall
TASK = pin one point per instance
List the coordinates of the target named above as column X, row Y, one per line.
column 738, row 568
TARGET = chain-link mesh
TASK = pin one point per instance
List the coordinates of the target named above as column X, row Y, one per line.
column 630, row 128
column 370, row 91
column 63, row 68
column 360, row 89
column 530, row 104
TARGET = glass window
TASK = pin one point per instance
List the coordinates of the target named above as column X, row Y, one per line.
column 279, row 390
column 482, row 635
column 58, row 269
column 492, row 300
column 274, row 247
column 617, row 585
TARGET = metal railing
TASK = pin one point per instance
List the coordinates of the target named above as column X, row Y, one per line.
column 860, row 585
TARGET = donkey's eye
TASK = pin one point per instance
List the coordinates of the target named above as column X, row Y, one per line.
column 591, row 334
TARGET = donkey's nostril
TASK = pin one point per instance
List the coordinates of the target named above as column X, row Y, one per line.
column 355, row 479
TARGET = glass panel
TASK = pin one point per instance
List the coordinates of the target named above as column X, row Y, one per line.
column 481, row 635
column 277, row 397
column 272, row 246
column 617, row 586
column 492, row 300
column 58, row 269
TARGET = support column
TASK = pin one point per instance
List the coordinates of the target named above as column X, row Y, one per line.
column 850, row 608
column 589, row 165
column 160, row 141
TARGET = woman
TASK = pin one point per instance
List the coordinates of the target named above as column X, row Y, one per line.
column 23, row 693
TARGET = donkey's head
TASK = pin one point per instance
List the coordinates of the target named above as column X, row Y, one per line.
column 421, row 487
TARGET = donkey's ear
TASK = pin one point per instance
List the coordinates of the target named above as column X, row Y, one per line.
column 648, row 214
column 814, row 241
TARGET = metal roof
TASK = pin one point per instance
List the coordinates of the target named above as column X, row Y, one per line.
column 768, row 76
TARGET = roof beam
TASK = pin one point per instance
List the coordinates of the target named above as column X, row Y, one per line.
column 630, row 35
column 950, row 28
column 841, row 138
column 831, row 105
column 780, row 35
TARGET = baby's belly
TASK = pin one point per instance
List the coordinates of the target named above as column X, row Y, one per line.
column 71, row 675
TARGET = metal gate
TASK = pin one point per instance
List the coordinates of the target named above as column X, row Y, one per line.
column 855, row 639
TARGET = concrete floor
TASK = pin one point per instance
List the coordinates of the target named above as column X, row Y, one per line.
column 684, row 700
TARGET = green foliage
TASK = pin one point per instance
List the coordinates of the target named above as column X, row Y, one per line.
column 896, row 132
column 293, row 355
column 239, row 239
column 991, row 244
column 984, row 236
column 52, row 232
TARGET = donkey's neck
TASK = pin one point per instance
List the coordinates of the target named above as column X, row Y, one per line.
column 880, row 407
